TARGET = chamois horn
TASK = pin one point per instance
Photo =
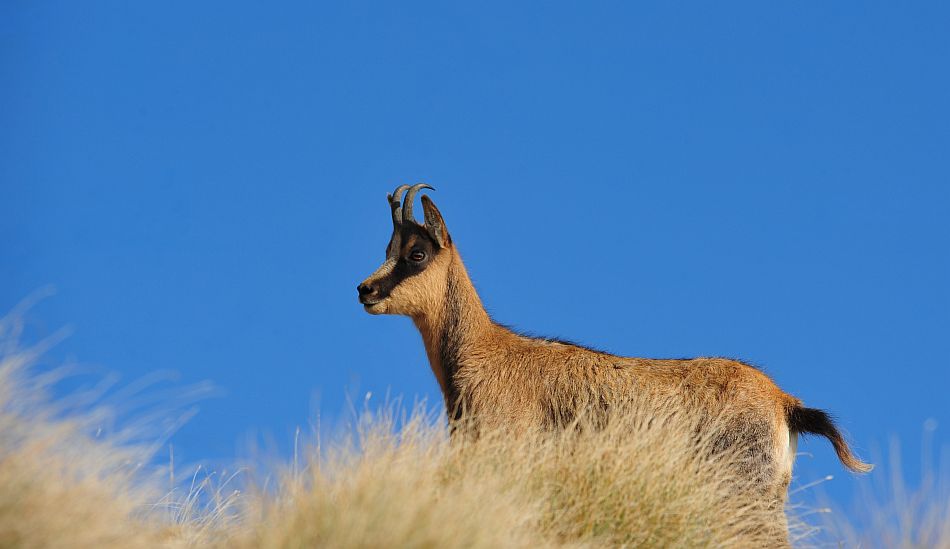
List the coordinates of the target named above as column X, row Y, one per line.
column 397, row 219
column 394, row 205
column 410, row 197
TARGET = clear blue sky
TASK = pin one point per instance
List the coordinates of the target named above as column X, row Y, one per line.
column 204, row 185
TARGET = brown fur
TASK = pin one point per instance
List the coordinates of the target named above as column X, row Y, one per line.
column 491, row 375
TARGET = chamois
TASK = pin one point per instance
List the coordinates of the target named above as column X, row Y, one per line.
column 489, row 373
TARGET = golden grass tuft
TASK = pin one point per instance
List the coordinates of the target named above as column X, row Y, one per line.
column 59, row 486
column 412, row 487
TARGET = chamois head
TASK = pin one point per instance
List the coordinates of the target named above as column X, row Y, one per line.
column 412, row 279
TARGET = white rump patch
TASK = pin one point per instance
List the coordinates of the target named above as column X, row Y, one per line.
column 791, row 449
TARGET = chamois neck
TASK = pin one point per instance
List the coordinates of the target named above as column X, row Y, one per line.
column 453, row 326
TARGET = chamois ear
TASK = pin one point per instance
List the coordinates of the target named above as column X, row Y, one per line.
column 435, row 225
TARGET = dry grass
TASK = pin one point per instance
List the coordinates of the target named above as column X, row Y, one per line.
column 392, row 481
column 59, row 486
column 412, row 488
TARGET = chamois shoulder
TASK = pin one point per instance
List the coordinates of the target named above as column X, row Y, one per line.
column 541, row 340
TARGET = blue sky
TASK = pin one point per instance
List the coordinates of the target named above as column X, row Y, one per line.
column 204, row 185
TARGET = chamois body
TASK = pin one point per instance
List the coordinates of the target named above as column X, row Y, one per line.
column 490, row 375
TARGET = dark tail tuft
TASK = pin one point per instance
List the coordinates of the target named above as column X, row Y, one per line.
column 818, row 422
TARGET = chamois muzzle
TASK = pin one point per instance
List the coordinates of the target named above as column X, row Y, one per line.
column 369, row 294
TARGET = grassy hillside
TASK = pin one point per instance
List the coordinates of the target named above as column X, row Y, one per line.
column 633, row 484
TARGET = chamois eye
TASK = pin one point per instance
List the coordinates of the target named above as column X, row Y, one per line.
column 417, row 256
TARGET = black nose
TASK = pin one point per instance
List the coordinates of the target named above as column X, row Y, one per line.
column 365, row 289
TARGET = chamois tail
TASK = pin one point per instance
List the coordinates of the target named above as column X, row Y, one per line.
column 818, row 422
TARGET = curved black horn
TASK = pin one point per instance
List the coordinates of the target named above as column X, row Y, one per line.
column 394, row 204
column 410, row 197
